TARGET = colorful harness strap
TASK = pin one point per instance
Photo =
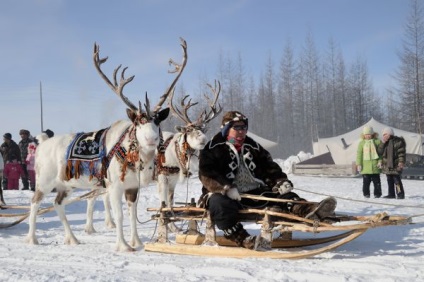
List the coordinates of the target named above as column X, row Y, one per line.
column 184, row 154
column 160, row 160
column 129, row 158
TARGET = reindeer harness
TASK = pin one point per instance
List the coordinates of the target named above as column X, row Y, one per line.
column 183, row 156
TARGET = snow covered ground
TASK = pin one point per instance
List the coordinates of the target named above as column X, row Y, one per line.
column 393, row 253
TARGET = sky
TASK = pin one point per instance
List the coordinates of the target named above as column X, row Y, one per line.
column 48, row 45
column 386, row 254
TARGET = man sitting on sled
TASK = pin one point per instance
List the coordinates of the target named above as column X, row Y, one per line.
column 233, row 163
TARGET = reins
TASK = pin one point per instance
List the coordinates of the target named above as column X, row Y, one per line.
column 40, row 211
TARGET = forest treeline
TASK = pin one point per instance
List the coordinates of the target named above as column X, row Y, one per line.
column 311, row 93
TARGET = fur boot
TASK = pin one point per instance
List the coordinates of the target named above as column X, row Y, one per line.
column 324, row 209
column 240, row 236
column 318, row 211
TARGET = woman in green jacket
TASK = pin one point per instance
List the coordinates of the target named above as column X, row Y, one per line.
column 368, row 162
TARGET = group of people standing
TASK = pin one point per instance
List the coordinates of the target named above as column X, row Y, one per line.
column 18, row 161
column 375, row 156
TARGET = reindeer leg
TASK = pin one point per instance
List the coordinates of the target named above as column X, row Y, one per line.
column 116, row 203
column 59, row 206
column 131, row 197
column 35, row 204
column 172, row 226
column 108, row 215
column 89, row 228
column 163, row 188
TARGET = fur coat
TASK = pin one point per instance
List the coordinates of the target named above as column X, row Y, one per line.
column 219, row 162
column 393, row 152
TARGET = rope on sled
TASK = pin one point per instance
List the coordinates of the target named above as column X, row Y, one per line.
column 361, row 201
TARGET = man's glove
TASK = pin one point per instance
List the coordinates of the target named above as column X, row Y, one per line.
column 379, row 165
column 283, row 187
column 358, row 168
column 232, row 192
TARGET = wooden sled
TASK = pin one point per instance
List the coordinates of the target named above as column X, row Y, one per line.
column 193, row 242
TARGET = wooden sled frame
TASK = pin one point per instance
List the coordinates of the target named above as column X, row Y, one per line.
column 192, row 242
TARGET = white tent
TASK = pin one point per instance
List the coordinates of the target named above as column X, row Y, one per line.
column 267, row 144
column 343, row 147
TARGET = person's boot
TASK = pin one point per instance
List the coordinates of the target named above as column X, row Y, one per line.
column 324, row 209
column 25, row 182
column 4, row 181
column 1, row 194
column 399, row 191
column 2, row 202
column 240, row 236
column 314, row 210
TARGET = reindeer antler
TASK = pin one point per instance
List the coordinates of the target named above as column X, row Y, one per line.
column 181, row 114
column 206, row 117
column 118, row 88
column 178, row 68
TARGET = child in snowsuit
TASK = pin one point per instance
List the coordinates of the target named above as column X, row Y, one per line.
column 30, row 162
column 13, row 172
column 368, row 161
column 393, row 151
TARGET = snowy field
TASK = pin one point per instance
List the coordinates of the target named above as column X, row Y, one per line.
column 394, row 253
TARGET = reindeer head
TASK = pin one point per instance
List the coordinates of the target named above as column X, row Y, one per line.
column 146, row 121
column 194, row 132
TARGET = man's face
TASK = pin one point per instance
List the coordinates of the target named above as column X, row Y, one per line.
column 238, row 132
column 24, row 136
column 386, row 137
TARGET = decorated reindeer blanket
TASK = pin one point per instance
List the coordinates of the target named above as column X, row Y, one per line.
column 85, row 153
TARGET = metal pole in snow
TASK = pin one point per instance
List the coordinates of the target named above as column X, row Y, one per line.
column 41, row 107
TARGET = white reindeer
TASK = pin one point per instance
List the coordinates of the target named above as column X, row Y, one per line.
column 178, row 157
column 130, row 147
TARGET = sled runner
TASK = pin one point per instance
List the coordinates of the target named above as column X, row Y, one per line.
column 276, row 238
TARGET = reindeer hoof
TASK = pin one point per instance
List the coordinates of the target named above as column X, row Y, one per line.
column 124, row 247
column 71, row 241
column 136, row 243
column 31, row 240
column 110, row 224
column 90, row 230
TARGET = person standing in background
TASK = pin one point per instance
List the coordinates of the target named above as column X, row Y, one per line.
column 30, row 164
column 368, row 162
column 8, row 148
column 1, row 180
column 13, row 171
column 393, row 151
column 49, row 133
column 23, row 146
